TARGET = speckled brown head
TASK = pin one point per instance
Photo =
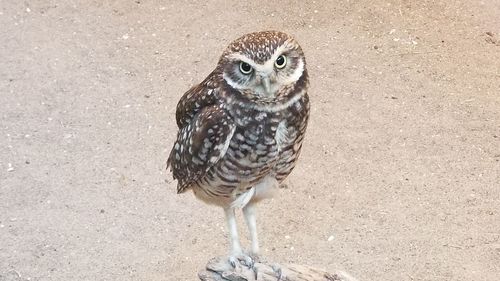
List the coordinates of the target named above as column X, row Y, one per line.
column 263, row 65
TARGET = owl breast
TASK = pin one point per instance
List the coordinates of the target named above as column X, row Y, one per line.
column 264, row 144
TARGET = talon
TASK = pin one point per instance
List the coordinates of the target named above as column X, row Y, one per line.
column 255, row 257
column 255, row 271
column 232, row 260
column 241, row 259
column 248, row 261
column 277, row 271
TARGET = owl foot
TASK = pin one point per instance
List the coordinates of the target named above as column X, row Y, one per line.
column 243, row 259
column 277, row 270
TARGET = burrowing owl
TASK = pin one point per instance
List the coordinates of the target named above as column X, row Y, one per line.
column 241, row 129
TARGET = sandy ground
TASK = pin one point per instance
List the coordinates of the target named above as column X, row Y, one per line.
column 398, row 179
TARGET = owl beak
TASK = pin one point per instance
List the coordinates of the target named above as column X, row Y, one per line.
column 266, row 83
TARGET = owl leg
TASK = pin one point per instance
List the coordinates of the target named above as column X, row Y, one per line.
column 233, row 231
column 249, row 213
column 236, row 252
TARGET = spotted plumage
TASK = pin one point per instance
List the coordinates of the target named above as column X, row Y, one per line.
column 241, row 129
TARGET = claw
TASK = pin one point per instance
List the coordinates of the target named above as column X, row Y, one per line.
column 277, row 270
column 249, row 262
column 255, row 271
column 243, row 259
column 233, row 260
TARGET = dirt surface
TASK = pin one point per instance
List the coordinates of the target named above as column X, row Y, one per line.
column 398, row 179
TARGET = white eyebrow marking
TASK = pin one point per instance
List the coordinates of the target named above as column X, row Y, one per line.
column 268, row 65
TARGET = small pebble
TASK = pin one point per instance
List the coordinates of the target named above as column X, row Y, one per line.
column 330, row 238
column 10, row 168
column 287, row 236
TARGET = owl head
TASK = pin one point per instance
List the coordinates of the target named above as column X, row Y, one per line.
column 263, row 65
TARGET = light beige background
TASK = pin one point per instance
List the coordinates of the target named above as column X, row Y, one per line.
column 400, row 166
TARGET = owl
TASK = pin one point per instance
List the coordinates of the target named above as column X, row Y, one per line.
column 241, row 129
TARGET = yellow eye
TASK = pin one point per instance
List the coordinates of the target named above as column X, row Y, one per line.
column 280, row 62
column 245, row 68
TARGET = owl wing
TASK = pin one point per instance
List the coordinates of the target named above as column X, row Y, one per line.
column 196, row 98
column 205, row 131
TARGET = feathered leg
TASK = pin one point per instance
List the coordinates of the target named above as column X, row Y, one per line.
column 236, row 253
column 233, row 231
column 249, row 213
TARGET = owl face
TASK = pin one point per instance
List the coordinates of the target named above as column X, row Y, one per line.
column 260, row 65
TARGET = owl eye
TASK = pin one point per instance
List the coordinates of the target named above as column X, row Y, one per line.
column 280, row 62
column 245, row 68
